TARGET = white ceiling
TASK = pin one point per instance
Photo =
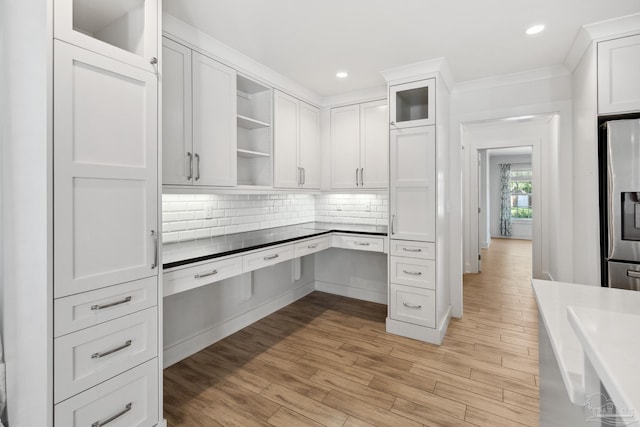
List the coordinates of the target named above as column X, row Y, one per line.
column 308, row 41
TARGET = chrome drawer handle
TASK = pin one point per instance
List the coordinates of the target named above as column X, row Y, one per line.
column 411, row 305
column 312, row 246
column 126, row 409
column 155, row 246
column 190, row 166
column 362, row 244
column 411, row 250
column 268, row 258
column 112, row 304
column 413, row 273
column 634, row 274
column 106, row 353
column 200, row 276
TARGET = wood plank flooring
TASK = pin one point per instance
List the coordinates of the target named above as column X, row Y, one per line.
column 327, row 361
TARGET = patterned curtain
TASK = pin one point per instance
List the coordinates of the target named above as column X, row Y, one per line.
column 505, row 202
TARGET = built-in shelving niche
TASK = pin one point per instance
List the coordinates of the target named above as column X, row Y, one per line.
column 255, row 133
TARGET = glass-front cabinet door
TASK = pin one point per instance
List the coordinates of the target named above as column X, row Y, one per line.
column 413, row 104
column 126, row 30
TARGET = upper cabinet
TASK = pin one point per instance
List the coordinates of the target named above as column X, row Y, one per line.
column 199, row 119
column 618, row 71
column 359, row 146
column 412, row 104
column 125, row 30
column 296, row 143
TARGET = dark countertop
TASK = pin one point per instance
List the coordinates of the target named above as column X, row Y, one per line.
column 182, row 253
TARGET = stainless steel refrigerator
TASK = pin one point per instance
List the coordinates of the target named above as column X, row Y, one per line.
column 620, row 203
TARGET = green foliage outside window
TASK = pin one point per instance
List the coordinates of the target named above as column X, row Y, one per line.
column 520, row 188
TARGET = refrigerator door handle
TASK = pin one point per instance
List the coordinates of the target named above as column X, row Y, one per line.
column 634, row 274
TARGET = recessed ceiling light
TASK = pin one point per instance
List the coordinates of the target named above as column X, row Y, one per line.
column 342, row 74
column 535, row 29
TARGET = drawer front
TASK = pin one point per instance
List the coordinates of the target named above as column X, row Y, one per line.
column 413, row 305
column 413, row 272
column 90, row 356
column 91, row 308
column 311, row 246
column 130, row 400
column 360, row 243
column 188, row 278
column 266, row 258
column 406, row 248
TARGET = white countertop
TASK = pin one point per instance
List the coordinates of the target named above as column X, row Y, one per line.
column 554, row 301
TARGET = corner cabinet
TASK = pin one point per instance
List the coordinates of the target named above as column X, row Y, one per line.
column 359, row 146
column 419, row 294
column 106, row 238
column 618, row 71
column 199, row 119
column 296, row 143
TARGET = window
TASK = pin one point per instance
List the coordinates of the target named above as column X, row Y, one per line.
column 520, row 188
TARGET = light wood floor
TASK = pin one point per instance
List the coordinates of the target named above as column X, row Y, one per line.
column 326, row 360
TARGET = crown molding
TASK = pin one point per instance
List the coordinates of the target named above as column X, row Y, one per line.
column 545, row 73
column 423, row 69
column 355, row 97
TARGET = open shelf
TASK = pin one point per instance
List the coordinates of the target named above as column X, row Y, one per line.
column 249, row 123
column 252, row 154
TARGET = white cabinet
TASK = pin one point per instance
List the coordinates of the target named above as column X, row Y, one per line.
column 413, row 184
column 199, row 119
column 618, row 71
column 359, row 148
column 412, row 104
column 105, row 171
column 296, row 143
column 124, row 30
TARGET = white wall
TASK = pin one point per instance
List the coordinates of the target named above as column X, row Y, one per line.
column 25, row 95
column 521, row 229
column 484, row 222
column 537, row 92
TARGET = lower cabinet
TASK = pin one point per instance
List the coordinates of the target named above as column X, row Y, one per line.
column 128, row 400
column 413, row 305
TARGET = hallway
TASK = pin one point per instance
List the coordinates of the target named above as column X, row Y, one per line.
column 327, row 360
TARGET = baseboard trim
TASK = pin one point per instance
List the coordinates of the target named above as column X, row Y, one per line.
column 352, row 292
column 163, row 423
column 205, row 338
column 420, row 333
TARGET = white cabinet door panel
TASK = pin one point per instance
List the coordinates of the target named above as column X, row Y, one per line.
column 286, row 172
column 214, row 122
column 177, row 136
column 374, row 146
column 309, row 145
column 413, row 305
column 413, row 186
column 345, row 146
column 413, row 104
column 105, row 171
column 618, row 71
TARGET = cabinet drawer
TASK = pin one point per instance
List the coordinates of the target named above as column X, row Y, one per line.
column 311, row 246
column 90, row 356
column 405, row 248
column 266, row 258
column 192, row 277
column 360, row 243
column 413, row 272
column 91, row 308
column 130, row 400
column 413, row 305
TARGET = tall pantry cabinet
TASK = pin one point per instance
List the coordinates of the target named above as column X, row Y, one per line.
column 419, row 295
column 106, row 312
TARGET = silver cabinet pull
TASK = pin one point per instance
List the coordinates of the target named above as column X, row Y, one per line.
column 153, row 60
column 312, row 246
column 357, row 182
column 111, row 304
column 190, row 166
column 392, row 123
column 113, row 350
column 155, row 249
column 268, row 258
column 413, row 273
column 411, row 305
column 304, row 176
column 362, row 177
column 299, row 175
column 634, row 274
column 197, row 156
column 362, row 243
column 411, row 250
column 126, row 409
column 200, row 276
column 393, row 218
